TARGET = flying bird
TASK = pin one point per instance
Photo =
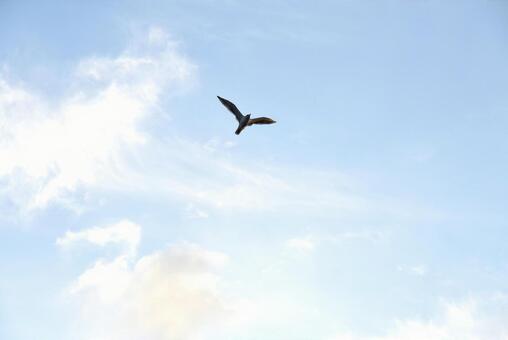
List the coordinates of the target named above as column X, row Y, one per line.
column 243, row 120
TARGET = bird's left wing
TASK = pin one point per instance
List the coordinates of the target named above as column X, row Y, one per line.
column 260, row 120
column 232, row 108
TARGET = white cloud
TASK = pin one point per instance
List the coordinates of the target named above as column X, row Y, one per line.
column 124, row 232
column 366, row 235
column 462, row 321
column 173, row 294
column 417, row 270
column 169, row 294
column 309, row 243
column 301, row 244
column 195, row 213
column 48, row 151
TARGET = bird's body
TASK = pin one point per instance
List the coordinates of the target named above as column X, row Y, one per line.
column 242, row 124
column 243, row 120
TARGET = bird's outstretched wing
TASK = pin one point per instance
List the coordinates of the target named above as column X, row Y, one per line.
column 260, row 120
column 232, row 108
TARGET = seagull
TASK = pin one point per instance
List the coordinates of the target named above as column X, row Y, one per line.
column 243, row 121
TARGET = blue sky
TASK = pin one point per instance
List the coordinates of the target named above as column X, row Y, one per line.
column 374, row 209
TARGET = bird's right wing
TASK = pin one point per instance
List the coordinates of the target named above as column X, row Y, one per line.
column 232, row 108
column 260, row 120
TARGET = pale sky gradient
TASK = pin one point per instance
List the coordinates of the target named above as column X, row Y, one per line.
column 375, row 209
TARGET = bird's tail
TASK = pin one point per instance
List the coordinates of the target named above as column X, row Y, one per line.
column 240, row 128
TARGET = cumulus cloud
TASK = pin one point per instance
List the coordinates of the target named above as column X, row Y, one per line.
column 464, row 321
column 168, row 294
column 171, row 294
